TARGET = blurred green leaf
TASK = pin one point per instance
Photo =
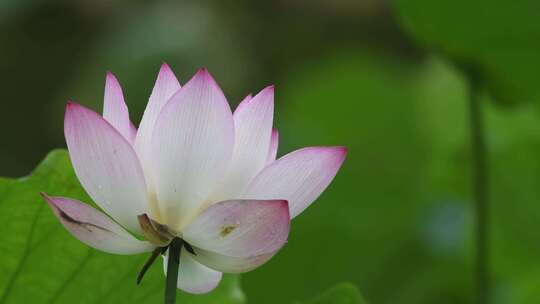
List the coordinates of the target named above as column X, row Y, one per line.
column 379, row 221
column 344, row 293
column 513, row 140
column 501, row 39
column 186, row 35
column 43, row 263
column 12, row 8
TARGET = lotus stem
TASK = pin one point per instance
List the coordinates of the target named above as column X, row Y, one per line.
column 173, row 265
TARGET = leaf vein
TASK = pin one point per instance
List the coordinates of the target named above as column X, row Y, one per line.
column 72, row 276
column 25, row 255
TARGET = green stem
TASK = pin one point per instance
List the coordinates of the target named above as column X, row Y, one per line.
column 480, row 191
column 157, row 252
column 173, row 264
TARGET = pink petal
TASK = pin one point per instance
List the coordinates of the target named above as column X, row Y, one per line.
column 240, row 228
column 106, row 165
column 231, row 264
column 194, row 277
column 298, row 177
column 253, row 129
column 94, row 228
column 192, row 145
column 166, row 85
column 115, row 110
column 245, row 100
column 274, row 142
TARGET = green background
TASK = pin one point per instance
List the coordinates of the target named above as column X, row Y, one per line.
column 384, row 78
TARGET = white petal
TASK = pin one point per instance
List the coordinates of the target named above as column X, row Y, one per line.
column 106, row 165
column 166, row 85
column 115, row 110
column 231, row 264
column 241, row 228
column 194, row 277
column 192, row 145
column 274, row 143
column 253, row 129
column 95, row 228
column 298, row 177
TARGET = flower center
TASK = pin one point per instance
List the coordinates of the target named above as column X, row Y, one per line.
column 156, row 233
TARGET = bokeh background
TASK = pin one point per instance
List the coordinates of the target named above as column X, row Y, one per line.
column 385, row 79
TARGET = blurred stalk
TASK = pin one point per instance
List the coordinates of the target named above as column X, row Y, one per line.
column 480, row 183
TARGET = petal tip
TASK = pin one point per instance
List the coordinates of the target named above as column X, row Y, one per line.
column 264, row 97
column 71, row 108
column 342, row 150
column 204, row 80
column 204, row 75
column 73, row 105
column 339, row 154
column 202, row 72
column 165, row 81
column 49, row 201
column 45, row 196
column 270, row 88
column 165, row 67
column 268, row 92
column 110, row 79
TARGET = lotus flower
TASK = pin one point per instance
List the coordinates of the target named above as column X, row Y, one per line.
column 192, row 170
